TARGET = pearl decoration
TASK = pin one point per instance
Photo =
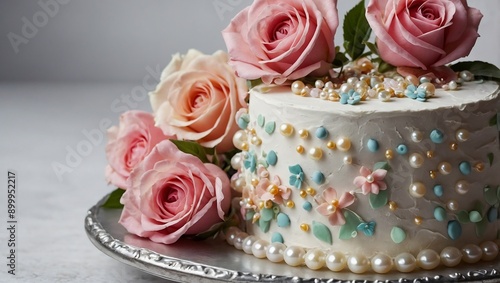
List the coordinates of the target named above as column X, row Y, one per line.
column 239, row 139
column 256, row 140
column 236, row 161
column 331, row 145
column 315, row 259
column 462, row 135
column 299, row 149
column 466, row 75
column 303, row 133
column 238, row 240
column 346, row 87
column 453, row 85
column 344, row 144
column 381, row 263
column 347, row 160
column 428, row 259
column 294, row 256
column 472, row 253
column 336, row 261
column 444, row 168
column 462, row 187
column 451, row 256
column 297, row 87
column 490, row 250
column 316, row 153
column 259, row 248
column 417, row 190
column 358, row 264
column 392, row 205
column 452, row 205
column 231, row 234
column 286, row 130
column 319, row 84
column 384, row 95
column 416, row 160
column 389, row 154
column 274, row 252
column 417, row 136
column 429, row 88
column 247, row 244
column 405, row 262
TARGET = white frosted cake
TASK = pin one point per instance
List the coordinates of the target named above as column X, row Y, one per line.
column 376, row 186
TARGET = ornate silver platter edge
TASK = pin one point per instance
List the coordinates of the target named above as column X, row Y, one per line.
column 216, row 261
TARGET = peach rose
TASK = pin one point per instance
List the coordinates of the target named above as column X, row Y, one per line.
column 283, row 40
column 423, row 33
column 172, row 193
column 129, row 143
column 197, row 99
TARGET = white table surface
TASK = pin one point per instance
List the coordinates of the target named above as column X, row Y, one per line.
column 39, row 121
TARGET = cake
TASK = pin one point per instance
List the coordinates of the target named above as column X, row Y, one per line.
column 359, row 169
column 377, row 158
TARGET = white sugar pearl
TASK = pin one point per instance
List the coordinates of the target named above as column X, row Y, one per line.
column 462, row 187
column 472, row 253
column 358, row 263
column 444, row 168
column 294, row 256
column 405, row 262
column 236, row 161
column 462, row 135
column 417, row 136
column 381, row 263
column 336, row 261
column 247, row 244
column 428, row 259
column 416, row 160
column 239, row 138
column 259, row 248
column 347, row 160
column 297, row 87
column 417, row 190
column 315, row 259
column 451, row 256
column 231, row 234
column 274, row 252
column 238, row 240
column 490, row 250
column 452, row 205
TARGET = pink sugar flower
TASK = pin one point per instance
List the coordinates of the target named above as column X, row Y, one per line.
column 371, row 182
column 274, row 190
column 332, row 206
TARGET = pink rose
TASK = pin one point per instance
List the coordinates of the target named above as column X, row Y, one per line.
column 423, row 33
column 283, row 40
column 172, row 193
column 129, row 143
column 197, row 99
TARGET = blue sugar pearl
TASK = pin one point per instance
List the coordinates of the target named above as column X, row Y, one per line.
column 307, row 206
column 318, row 177
column 272, row 158
column 402, row 149
column 437, row 136
column 438, row 190
column 465, row 168
column 321, row 133
column 277, row 238
column 283, row 220
column 372, row 145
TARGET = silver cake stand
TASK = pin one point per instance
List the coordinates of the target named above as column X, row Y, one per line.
column 216, row 261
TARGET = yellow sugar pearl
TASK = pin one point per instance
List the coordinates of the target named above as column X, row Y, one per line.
column 268, row 204
column 310, row 191
column 286, row 130
column 252, row 131
column 261, row 204
column 430, row 154
column 255, row 182
column 304, row 227
column 316, row 153
column 273, row 189
column 418, row 220
column 303, row 194
column 331, row 145
column 393, row 205
column 344, row 144
column 366, row 67
column 304, row 134
column 389, row 154
column 433, row 174
column 479, row 167
column 255, row 218
column 244, row 146
column 299, row 149
column 453, row 146
column 290, row 204
column 256, row 140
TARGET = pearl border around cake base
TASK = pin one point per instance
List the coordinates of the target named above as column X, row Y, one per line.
column 217, row 261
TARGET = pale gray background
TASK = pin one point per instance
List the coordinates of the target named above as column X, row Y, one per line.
column 76, row 71
column 112, row 40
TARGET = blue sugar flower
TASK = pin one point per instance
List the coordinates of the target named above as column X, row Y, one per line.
column 352, row 97
column 416, row 93
column 367, row 228
column 297, row 176
column 250, row 162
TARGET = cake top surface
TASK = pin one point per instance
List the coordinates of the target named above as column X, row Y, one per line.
column 468, row 93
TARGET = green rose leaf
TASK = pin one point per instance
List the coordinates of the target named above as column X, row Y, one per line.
column 381, row 165
column 321, row 232
column 349, row 229
column 356, row 31
column 195, row 149
column 480, row 69
column 379, row 200
column 113, row 200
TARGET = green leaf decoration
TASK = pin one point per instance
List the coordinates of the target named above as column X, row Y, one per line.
column 475, row 216
column 266, row 214
column 384, row 67
column 356, row 31
column 398, row 235
column 321, row 232
column 340, row 59
column 491, row 157
column 264, row 225
column 480, row 69
column 373, row 47
column 381, row 165
column 463, row 216
column 494, row 120
column 349, row 229
column 113, row 200
column 195, row 149
column 491, row 195
column 380, row 200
